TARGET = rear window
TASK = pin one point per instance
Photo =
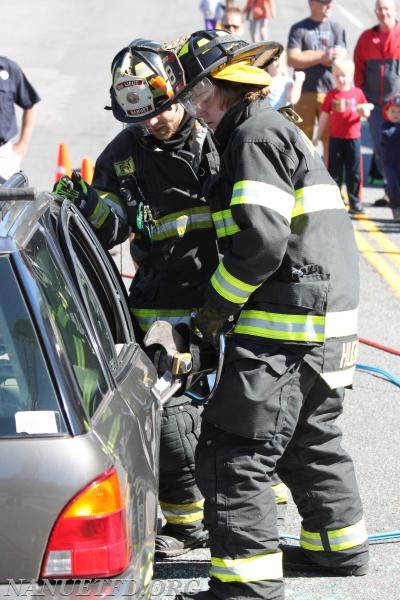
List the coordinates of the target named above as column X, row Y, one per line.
column 28, row 402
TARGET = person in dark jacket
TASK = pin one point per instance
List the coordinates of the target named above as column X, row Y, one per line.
column 148, row 181
column 391, row 152
column 289, row 278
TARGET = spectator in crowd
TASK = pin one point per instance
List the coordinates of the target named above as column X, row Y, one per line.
column 376, row 58
column 391, row 152
column 232, row 20
column 284, row 89
column 342, row 109
column 212, row 12
column 15, row 90
column 313, row 44
column 258, row 13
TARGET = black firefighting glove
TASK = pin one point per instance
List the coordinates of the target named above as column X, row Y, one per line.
column 208, row 323
column 76, row 190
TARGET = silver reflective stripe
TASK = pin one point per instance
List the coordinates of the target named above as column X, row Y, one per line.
column 337, row 379
column 341, row 324
column 301, row 328
column 180, row 514
column 312, row 327
column 348, row 537
column 317, row 197
column 338, row 539
column 224, row 223
column 263, row 194
column 178, row 224
column 231, row 288
column 255, row 568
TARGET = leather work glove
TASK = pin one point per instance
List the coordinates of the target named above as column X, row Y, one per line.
column 73, row 188
column 207, row 324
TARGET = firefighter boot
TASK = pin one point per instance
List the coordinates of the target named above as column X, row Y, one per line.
column 294, row 558
column 174, row 541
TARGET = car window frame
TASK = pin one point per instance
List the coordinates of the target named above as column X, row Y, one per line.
column 70, row 224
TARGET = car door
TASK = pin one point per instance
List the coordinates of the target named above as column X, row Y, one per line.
column 129, row 422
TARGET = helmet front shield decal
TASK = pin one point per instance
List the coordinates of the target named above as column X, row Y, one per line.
column 134, row 96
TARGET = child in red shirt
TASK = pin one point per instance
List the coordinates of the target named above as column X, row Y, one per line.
column 343, row 108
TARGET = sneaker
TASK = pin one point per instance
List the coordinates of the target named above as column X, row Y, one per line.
column 167, row 546
column 356, row 209
column 295, row 559
column 382, row 201
column 396, row 215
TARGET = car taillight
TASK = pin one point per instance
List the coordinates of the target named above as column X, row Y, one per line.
column 91, row 536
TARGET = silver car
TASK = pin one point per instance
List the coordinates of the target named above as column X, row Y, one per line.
column 79, row 411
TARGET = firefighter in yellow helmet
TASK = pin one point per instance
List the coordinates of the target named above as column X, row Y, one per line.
column 289, row 277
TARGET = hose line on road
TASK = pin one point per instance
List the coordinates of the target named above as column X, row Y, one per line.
column 386, row 374
column 379, row 346
column 363, row 367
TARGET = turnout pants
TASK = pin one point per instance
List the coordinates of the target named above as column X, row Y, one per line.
column 180, row 499
column 234, row 475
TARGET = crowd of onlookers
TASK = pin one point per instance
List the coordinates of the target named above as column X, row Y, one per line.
column 333, row 91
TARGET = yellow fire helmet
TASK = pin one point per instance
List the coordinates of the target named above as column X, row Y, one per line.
column 242, row 72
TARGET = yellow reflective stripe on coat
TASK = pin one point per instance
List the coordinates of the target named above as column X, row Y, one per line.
column 279, row 326
column 255, row 568
column 145, row 317
column 224, row 223
column 99, row 215
column 337, row 539
column 263, row 194
column 180, row 514
column 231, row 288
column 281, row 493
column 102, row 209
column 300, row 328
column 178, row 224
column 317, row 197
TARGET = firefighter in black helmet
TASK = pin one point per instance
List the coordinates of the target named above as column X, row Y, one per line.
column 148, row 181
column 289, row 277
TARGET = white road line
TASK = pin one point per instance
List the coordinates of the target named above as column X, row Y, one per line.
column 349, row 16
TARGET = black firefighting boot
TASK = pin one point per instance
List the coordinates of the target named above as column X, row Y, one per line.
column 294, row 558
column 175, row 540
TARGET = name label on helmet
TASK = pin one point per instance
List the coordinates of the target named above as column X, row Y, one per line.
column 130, row 83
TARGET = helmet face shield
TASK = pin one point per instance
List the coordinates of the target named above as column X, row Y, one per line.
column 198, row 97
column 206, row 52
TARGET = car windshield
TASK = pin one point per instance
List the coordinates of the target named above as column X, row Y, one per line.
column 28, row 403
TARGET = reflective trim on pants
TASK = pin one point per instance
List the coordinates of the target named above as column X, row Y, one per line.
column 255, row 568
column 281, row 493
column 181, row 514
column 336, row 539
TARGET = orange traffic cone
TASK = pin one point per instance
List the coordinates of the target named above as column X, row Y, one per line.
column 87, row 169
column 63, row 162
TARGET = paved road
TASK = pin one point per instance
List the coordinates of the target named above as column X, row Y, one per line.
column 66, row 47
